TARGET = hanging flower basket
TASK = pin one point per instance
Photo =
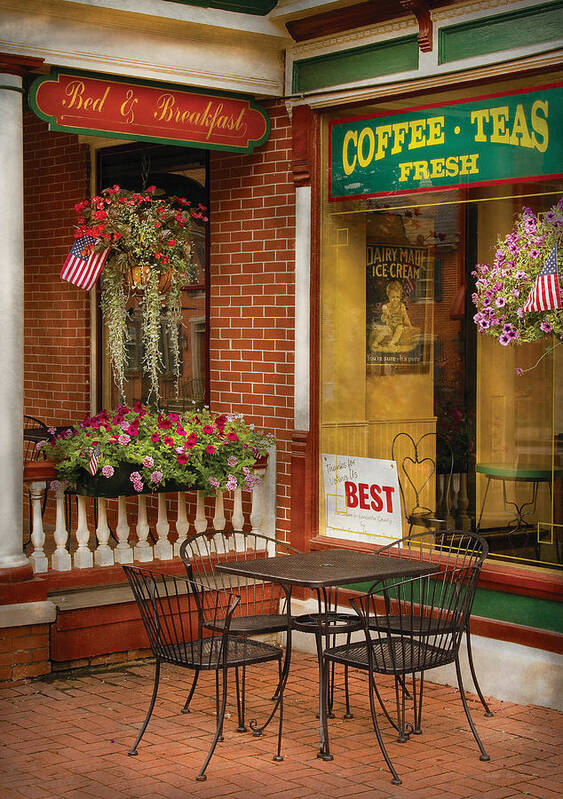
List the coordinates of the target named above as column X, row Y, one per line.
column 503, row 288
column 150, row 261
column 130, row 451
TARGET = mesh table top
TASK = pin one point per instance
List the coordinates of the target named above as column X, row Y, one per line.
column 329, row 567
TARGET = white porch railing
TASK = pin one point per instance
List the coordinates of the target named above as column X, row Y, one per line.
column 84, row 547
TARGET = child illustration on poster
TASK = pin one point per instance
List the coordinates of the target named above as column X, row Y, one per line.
column 395, row 331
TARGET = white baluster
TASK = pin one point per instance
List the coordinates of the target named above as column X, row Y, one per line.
column 123, row 552
column 200, row 522
column 258, row 505
column 83, row 558
column 142, row 550
column 182, row 524
column 237, row 519
column 163, row 547
column 61, row 560
column 103, row 556
column 39, row 560
column 219, row 520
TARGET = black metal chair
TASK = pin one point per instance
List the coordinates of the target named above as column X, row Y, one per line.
column 264, row 603
column 441, row 548
column 411, row 626
column 192, row 626
column 417, row 464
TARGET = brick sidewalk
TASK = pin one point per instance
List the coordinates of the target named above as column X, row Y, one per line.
column 68, row 737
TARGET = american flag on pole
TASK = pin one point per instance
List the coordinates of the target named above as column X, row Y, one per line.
column 83, row 266
column 93, row 465
column 545, row 294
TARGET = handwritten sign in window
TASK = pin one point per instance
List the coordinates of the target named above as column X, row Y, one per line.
column 361, row 498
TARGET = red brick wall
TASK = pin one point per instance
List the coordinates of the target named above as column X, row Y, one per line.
column 57, row 321
column 252, row 290
column 24, row 652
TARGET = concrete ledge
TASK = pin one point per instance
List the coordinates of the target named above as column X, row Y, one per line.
column 26, row 613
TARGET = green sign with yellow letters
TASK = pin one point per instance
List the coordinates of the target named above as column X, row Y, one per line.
column 485, row 140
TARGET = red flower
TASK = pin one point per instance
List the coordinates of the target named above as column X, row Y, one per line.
column 171, row 242
column 155, row 438
column 138, row 406
column 232, row 436
column 168, row 441
column 210, row 449
column 173, row 417
column 164, row 423
column 191, row 439
column 182, row 458
column 221, row 421
column 207, row 429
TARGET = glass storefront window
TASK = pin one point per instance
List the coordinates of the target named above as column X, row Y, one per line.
column 400, row 353
column 182, row 172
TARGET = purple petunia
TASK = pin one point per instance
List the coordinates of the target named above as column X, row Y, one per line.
column 156, row 477
column 504, row 339
column 546, row 327
column 214, row 482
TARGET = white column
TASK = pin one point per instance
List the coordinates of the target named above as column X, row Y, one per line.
column 302, row 306
column 11, row 314
column 61, row 560
column 38, row 557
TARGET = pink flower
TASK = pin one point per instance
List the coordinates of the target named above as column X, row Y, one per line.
column 210, row 449
column 155, row 438
column 156, row 477
column 168, row 441
column 232, row 461
column 232, row 436
column 191, row 439
column 135, row 477
column 124, row 439
column 182, row 458
column 214, row 482
column 148, row 462
column 207, row 429
column 138, row 485
column 107, row 471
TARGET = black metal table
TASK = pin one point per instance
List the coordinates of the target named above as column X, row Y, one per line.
column 322, row 571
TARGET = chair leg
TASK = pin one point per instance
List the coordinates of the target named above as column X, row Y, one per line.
column 324, row 749
column 484, row 756
column 282, row 680
column 186, row 708
column 241, row 697
column 417, row 703
column 278, row 756
column 221, row 707
column 133, row 750
column 347, row 714
column 400, row 705
column 488, row 712
column 372, row 690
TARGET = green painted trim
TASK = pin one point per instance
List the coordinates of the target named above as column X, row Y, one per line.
column 135, row 137
column 256, row 7
column 543, row 23
column 541, row 614
column 10, row 88
column 355, row 64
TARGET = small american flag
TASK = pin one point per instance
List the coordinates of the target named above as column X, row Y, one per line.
column 83, row 266
column 93, row 465
column 408, row 286
column 545, row 294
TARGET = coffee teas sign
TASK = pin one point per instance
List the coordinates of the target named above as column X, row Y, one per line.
column 361, row 499
column 480, row 141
